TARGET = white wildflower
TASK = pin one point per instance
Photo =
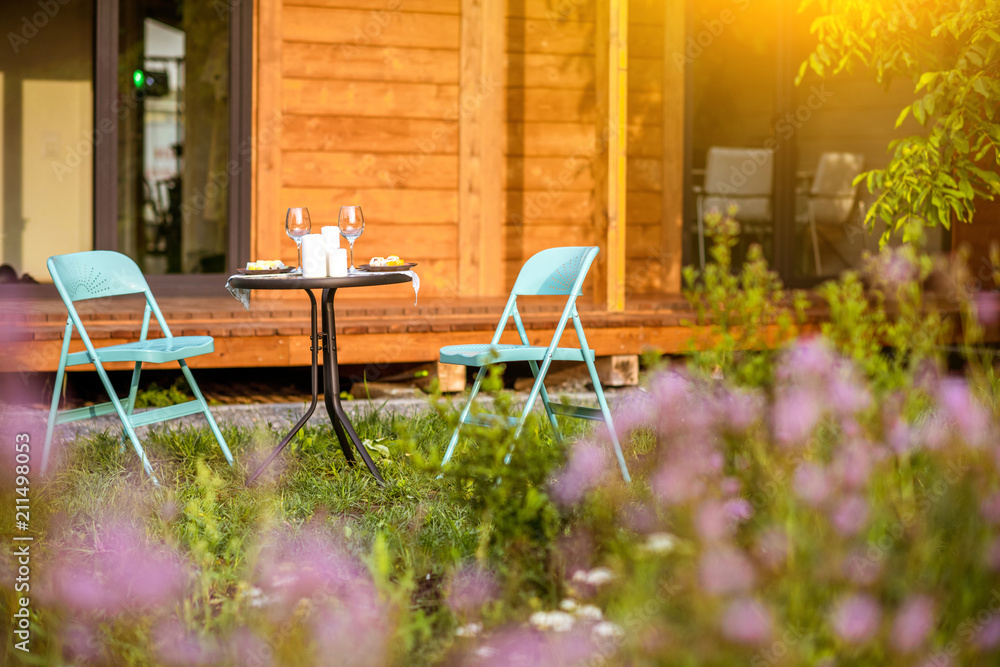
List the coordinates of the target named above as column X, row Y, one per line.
column 469, row 630
column 660, row 543
column 557, row 621
column 596, row 577
column 485, row 652
column 568, row 605
column 589, row 612
column 608, row 630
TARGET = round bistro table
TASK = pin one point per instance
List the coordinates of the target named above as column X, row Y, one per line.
column 327, row 341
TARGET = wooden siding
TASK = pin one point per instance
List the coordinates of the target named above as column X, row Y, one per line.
column 369, row 102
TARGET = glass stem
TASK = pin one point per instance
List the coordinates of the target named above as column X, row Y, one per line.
column 351, row 244
column 298, row 244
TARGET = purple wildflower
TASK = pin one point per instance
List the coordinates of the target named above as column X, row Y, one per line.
column 176, row 646
column 310, row 564
column 470, row 589
column 712, row 522
column 245, row 647
column 990, row 508
column 993, row 555
column 730, row 486
column 852, row 464
column 724, row 570
column 856, row 618
column 120, row 571
column 850, row 515
column 356, row 624
column 987, row 309
column 796, row 414
column 861, row 567
column 747, row 621
column 964, row 410
column 772, row 548
column 913, row 623
column 988, row 636
column 811, row 483
column 587, row 464
column 674, row 484
column 526, row 646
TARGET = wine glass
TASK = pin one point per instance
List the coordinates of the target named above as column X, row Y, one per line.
column 352, row 224
column 297, row 225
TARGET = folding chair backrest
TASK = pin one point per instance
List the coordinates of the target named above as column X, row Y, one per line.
column 744, row 172
column 556, row 271
column 96, row 273
column 833, row 188
column 836, row 172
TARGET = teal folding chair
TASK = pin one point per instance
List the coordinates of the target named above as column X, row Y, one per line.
column 556, row 271
column 102, row 273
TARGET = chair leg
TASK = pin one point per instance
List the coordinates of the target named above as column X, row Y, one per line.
column 54, row 410
column 815, row 241
column 545, row 403
column 607, row 419
column 538, row 388
column 126, row 421
column 208, row 414
column 701, row 232
column 130, row 406
column 465, row 413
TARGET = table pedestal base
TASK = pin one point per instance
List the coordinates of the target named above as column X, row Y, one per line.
column 327, row 340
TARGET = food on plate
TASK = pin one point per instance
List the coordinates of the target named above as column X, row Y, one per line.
column 391, row 260
column 265, row 265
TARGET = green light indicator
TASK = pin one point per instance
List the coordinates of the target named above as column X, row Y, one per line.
column 139, row 78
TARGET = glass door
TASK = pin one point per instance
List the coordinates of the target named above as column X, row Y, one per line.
column 173, row 148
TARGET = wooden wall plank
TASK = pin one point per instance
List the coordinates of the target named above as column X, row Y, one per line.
column 354, row 28
column 554, row 173
column 573, row 207
column 416, row 137
column 370, row 63
column 268, row 133
column 381, row 205
column 480, row 159
column 368, row 98
column 553, row 11
column 422, row 6
column 369, row 170
column 543, row 36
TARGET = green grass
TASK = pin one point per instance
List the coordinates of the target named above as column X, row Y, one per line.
column 203, row 509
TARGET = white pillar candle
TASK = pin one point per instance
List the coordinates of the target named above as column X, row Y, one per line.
column 313, row 256
column 336, row 262
column 331, row 235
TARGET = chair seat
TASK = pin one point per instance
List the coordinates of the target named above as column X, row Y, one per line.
column 154, row 351
column 481, row 355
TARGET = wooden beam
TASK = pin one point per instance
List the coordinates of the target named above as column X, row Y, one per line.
column 480, row 155
column 268, row 233
column 611, row 56
column 674, row 72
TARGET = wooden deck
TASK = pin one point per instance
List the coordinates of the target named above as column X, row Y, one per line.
column 275, row 331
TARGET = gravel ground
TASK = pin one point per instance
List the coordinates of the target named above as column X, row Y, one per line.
column 278, row 414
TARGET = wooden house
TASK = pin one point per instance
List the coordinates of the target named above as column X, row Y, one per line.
column 473, row 133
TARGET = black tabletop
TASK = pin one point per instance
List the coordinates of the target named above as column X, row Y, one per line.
column 294, row 281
